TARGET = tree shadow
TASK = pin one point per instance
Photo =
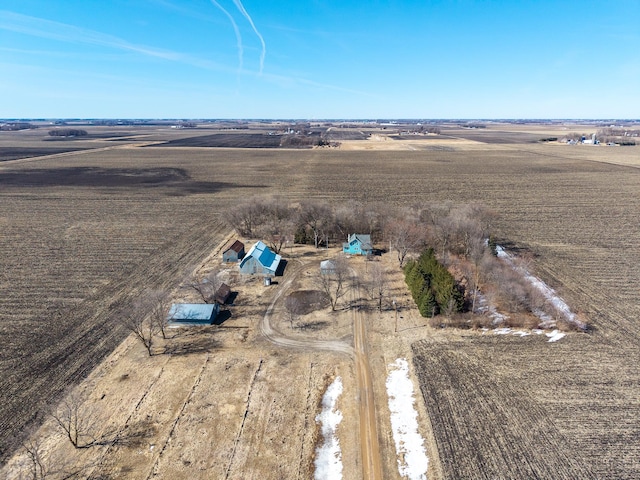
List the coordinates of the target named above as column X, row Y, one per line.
column 313, row 326
column 191, row 344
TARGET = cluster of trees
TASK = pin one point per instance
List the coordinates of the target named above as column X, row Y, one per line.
column 458, row 237
column 433, row 288
column 302, row 141
column 618, row 135
column 14, row 126
column 67, row 132
column 309, row 222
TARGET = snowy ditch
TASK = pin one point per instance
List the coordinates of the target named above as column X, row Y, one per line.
column 328, row 460
column 549, row 294
column 412, row 457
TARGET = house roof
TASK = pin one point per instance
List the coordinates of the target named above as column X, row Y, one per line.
column 266, row 257
column 237, row 246
column 191, row 311
column 363, row 239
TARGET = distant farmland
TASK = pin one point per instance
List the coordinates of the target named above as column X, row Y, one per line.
column 76, row 250
column 234, row 140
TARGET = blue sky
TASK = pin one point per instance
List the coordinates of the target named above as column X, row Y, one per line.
column 319, row 59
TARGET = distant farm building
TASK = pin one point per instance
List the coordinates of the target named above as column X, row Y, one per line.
column 259, row 259
column 358, row 244
column 233, row 252
column 192, row 314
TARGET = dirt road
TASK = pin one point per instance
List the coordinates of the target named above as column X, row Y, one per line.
column 279, row 339
column 369, row 446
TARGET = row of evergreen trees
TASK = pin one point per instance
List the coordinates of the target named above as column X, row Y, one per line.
column 433, row 288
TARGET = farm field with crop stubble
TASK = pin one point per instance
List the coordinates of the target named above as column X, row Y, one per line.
column 91, row 245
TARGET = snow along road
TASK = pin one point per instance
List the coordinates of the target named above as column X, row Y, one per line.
column 370, row 448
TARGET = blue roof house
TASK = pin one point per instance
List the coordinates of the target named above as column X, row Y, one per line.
column 259, row 259
column 192, row 314
column 357, row 244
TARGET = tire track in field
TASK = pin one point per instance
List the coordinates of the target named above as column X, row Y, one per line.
column 244, row 418
column 196, row 383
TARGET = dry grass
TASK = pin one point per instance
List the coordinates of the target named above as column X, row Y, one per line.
column 86, row 249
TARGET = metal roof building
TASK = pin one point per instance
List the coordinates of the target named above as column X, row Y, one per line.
column 233, row 251
column 259, row 259
column 192, row 314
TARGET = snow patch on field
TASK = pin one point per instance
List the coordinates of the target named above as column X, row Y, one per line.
column 548, row 292
column 328, row 461
column 555, row 335
column 412, row 457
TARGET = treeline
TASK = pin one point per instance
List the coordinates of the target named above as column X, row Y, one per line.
column 432, row 287
column 67, row 132
column 449, row 250
column 15, row 126
column 305, row 141
column 451, row 230
column 620, row 136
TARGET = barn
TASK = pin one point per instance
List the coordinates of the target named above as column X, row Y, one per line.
column 192, row 314
column 260, row 259
column 233, row 252
column 358, row 244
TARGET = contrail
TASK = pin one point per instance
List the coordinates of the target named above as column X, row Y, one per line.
column 264, row 45
column 235, row 29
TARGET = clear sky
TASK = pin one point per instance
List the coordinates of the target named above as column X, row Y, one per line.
column 319, row 59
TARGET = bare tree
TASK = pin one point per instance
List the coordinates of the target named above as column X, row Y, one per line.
column 245, row 217
column 76, row 421
column 317, row 216
column 278, row 224
column 404, row 237
column 335, row 281
column 377, row 284
column 37, row 466
column 157, row 303
column 41, row 465
column 208, row 285
column 138, row 321
column 294, row 308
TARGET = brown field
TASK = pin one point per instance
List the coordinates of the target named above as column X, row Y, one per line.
column 84, row 233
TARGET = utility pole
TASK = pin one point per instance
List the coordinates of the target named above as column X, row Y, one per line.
column 395, row 307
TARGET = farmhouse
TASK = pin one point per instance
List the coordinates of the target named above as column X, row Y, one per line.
column 358, row 244
column 192, row 314
column 233, row 252
column 260, row 259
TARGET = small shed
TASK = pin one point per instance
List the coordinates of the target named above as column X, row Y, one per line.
column 358, row 244
column 192, row 314
column 222, row 294
column 259, row 259
column 233, row 252
column 327, row 267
